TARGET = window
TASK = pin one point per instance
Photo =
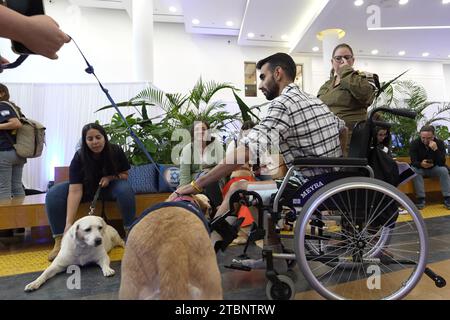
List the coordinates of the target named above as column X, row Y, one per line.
column 299, row 76
column 250, row 79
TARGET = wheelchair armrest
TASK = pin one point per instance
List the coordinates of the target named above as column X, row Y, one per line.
column 330, row 162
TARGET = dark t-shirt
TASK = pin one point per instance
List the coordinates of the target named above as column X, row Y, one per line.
column 6, row 113
column 77, row 175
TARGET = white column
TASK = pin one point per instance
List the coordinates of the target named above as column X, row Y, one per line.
column 330, row 39
column 142, row 19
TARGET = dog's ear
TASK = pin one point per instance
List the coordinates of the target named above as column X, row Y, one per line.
column 74, row 230
column 104, row 225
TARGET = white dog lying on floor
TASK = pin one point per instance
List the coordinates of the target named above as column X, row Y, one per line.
column 88, row 240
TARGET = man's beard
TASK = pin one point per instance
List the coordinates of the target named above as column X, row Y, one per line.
column 272, row 91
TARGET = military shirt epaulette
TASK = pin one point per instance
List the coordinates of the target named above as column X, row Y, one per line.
column 371, row 77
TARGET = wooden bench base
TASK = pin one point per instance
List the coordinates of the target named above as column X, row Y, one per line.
column 29, row 211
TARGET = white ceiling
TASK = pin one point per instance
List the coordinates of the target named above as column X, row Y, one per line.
column 301, row 20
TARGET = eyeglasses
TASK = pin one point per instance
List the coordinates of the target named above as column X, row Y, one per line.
column 339, row 58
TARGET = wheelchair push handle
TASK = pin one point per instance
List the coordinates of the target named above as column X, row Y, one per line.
column 395, row 111
column 382, row 124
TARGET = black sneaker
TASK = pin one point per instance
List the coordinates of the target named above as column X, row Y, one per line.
column 447, row 202
column 420, row 204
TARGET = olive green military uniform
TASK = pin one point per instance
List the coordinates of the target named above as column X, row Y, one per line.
column 349, row 99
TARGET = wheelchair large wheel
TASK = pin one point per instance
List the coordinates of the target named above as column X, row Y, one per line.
column 351, row 242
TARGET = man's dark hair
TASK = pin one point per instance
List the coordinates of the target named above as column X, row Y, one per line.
column 282, row 60
column 427, row 128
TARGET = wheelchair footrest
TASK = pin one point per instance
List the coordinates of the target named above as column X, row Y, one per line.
column 238, row 266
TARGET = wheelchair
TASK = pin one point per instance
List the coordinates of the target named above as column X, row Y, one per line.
column 355, row 236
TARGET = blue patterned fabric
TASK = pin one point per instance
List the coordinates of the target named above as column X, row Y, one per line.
column 143, row 179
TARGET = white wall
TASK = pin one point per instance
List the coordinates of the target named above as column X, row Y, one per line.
column 446, row 69
column 180, row 58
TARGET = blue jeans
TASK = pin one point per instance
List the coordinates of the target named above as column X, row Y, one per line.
column 436, row 171
column 11, row 168
column 118, row 190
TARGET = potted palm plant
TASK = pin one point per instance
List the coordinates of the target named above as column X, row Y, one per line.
column 176, row 111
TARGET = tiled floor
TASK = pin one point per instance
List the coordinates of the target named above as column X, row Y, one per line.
column 237, row 285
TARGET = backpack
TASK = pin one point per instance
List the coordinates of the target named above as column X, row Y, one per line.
column 30, row 138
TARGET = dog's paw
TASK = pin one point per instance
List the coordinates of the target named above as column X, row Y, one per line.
column 108, row 272
column 32, row 286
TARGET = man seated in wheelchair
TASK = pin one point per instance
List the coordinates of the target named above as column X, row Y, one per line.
column 296, row 125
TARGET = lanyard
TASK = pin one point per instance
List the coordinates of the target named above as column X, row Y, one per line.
column 90, row 70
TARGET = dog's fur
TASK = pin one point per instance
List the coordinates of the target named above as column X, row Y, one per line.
column 88, row 240
column 169, row 256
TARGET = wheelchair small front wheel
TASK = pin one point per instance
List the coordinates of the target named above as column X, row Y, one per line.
column 352, row 243
column 282, row 290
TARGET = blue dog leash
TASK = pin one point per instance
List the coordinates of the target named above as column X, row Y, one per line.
column 90, row 70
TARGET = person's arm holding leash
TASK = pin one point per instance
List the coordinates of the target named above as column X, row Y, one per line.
column 40, row 34
column 104, row 182
column 73, row 202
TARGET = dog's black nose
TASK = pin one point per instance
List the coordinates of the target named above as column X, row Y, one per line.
column 98, row 242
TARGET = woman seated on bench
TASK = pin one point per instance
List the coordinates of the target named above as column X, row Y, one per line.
column 97, row 163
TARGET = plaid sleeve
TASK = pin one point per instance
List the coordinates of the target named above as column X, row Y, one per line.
column 264, row 138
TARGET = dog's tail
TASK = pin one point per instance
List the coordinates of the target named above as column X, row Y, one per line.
column 173, row 269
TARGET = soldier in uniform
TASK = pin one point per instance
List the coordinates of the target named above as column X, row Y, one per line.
column 348, row 93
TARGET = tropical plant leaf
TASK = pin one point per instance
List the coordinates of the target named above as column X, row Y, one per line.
column 245, row 110
column 212, row 87
column 385, row 85
column 179, row 111
column 120, row 105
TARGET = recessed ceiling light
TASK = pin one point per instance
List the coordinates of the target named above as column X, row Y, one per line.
column 172, row 9
column 401, row 53
column 229, row 23
column 284, row 37
column 375, row 51
column 402, row 2
column 315, row 49
column 250, row 35
column 358, row 3
column 425, row 54
column 445, row 1
column 195, row 21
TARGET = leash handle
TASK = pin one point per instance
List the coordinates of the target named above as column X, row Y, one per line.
column 14, row 64
column 94, row 202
